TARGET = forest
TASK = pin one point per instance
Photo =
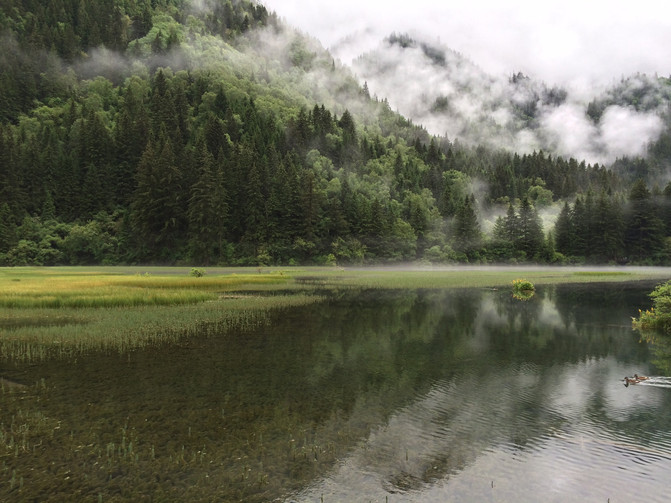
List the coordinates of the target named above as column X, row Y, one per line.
column 210, row 133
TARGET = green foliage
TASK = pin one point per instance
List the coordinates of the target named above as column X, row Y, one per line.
column 523, row 289
column 197, row 272
column 658, row 317
column 522, row 285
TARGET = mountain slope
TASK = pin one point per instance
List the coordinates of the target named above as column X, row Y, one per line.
column 450, row 95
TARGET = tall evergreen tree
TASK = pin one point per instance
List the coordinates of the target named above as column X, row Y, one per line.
column 666, row 208
column 467, row 232
column 7, row 228
column 581, row 237
column 608, row 230
column 206, row 210
column 255, row 220
column 564, row 231
column 511, row 226
column 644, row 236
column 158, row 211
column 530, row 239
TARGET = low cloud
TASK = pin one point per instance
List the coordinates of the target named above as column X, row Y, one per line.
column 568, row 131
column 562, row 43
column 583, row 48
column 452, row 96
column 627, row 132
column 620, row 132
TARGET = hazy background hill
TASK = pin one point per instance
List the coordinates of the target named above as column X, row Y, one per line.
column 449, row 94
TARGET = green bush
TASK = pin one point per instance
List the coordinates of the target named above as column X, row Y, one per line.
column 658, row 317
column 523, row 289
column 196, row 272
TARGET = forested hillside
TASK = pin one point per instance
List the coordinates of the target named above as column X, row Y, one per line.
column 207, row 132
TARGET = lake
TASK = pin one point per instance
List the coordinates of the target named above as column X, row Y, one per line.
column 383, row 396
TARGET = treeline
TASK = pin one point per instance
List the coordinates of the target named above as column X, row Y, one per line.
column 223, row 166
column 603, row 228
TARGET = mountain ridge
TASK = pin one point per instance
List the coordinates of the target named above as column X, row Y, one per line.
column 449, row 94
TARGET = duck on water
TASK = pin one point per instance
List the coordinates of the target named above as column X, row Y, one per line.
column 634, row 380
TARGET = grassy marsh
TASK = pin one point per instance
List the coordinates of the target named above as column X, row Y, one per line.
column 64, row 312
column 67, row 311
column 482, row 276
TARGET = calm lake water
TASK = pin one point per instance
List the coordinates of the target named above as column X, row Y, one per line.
column 455, row 395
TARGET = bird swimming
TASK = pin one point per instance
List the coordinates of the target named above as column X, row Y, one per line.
column 630, row 380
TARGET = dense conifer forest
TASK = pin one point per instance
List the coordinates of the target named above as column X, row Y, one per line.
column 209, row 133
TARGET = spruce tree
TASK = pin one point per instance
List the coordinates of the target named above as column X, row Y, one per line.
column 644, row 236
column 564, row 231
column 206, row 210
column 467, row 232
column 7, row 228
column 530, row 238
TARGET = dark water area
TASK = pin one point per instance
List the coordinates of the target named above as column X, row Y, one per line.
column 453, row 395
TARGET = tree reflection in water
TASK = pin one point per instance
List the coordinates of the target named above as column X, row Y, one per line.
column 428, row 395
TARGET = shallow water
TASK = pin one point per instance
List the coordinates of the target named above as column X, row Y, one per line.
column 465, row 395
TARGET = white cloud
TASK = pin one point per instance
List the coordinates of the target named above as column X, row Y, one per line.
column 585, row 47
column 571, row 132
column 627, row 132
column 558, row 42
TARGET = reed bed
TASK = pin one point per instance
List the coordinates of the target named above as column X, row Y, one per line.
column 36, row 335
column 63, row 312
column 98, row 291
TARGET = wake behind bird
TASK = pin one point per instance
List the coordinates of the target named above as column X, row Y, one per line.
column 657, row 381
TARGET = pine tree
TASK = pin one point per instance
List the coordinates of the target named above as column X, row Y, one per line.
column 207, row 209
column 608, row 230
column 7, row 228
column 158, row 211
column 279, row 212
column 666, row 208
column 311, row 204
column 467, row 231
column 215, row 138
column 254, row 208
column 511, row 227
column 581, row 237
column 644, row 236
column 564, row 231
column 530, row 239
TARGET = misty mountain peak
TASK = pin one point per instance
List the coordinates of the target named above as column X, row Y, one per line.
column 450, row 95
column 435, row 52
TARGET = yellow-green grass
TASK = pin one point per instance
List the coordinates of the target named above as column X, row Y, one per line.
column 62, row 312
column 63, row 288
column 68, row 311
column 485, row 277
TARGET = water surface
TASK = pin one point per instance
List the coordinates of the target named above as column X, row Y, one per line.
column 454, row 395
